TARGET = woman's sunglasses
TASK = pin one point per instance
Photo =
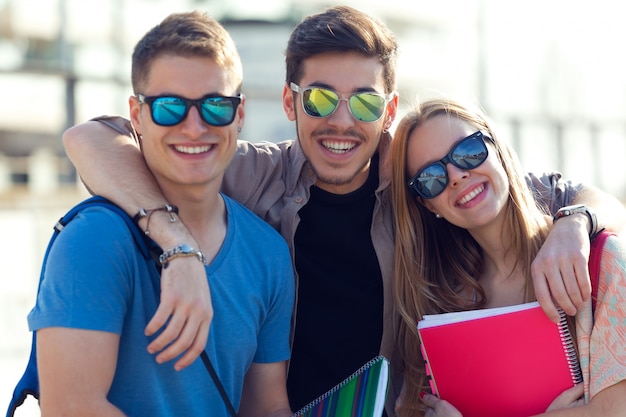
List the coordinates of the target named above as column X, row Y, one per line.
column 172, row 110
column 364, row 106
column 469, row 153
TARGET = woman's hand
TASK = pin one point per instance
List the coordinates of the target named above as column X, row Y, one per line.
column 572, row 397
column 437, row 407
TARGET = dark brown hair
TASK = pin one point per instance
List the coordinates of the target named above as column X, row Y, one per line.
column 342, row 29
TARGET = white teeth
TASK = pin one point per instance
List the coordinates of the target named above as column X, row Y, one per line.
column 192, row 149
column 472, row 194
column 338, row 147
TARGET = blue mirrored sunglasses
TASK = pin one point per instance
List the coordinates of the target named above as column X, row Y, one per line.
column 431, row 180
column 171, row 110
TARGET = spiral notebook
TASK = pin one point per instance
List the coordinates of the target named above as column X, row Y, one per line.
column 510, row 361
column 360, row 395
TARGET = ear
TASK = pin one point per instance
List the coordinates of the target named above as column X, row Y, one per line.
column 289, row 103
column 392, row 112
column 241, row 112
column 135, row 113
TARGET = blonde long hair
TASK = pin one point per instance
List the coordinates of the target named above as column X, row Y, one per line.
column 435, row 259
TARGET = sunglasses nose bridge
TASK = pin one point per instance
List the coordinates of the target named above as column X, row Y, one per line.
column 342, row 112
column 455, row 173
column 193, row 119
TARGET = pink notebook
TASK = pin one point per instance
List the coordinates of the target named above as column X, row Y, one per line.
column 509, row 361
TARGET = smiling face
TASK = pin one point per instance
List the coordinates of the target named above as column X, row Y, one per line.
column 191, row 153
column 339, row 147
column 473, row 198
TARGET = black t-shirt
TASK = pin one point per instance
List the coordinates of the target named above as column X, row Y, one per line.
column 340, row 295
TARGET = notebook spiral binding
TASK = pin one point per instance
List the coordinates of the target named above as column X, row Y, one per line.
column 570, row 349
column 336, row 388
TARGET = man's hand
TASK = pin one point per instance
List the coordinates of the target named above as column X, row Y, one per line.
column 560, row 272
column 185, row 310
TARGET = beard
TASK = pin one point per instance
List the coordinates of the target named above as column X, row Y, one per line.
column 338, row 176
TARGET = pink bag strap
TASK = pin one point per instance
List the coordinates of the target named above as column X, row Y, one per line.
column 595, row 255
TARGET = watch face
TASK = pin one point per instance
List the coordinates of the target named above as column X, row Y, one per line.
column 579, row 208
column 569, row 210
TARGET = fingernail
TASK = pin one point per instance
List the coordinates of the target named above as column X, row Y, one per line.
column 422, row 394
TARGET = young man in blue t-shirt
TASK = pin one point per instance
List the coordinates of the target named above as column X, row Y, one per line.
column 98, row 293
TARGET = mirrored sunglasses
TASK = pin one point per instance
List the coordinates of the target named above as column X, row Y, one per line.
column 468, row 154
column 172, row 110
column 364, row 106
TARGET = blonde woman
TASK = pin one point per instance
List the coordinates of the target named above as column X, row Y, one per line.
column 458, row 187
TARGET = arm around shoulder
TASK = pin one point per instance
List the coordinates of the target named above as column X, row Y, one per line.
column 554, row 192
column 610, row 212
column 560, row 268
column 107, row 157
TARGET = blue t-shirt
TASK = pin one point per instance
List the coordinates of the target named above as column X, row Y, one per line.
column 96, row 279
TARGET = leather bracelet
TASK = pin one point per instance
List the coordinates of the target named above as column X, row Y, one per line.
column 181, row 251
column 170, row 209
column 579, row 208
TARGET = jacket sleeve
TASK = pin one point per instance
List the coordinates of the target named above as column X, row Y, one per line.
column 119, row 124
column 256, row 177
column 551, row 191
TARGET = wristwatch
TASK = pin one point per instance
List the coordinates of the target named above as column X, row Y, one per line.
column 579, row 208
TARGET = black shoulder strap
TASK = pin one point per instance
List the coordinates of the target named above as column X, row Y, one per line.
column 29, row 383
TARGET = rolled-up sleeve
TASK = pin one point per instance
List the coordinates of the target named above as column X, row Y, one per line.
column 551, row 191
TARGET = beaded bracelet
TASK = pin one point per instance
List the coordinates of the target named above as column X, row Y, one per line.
column 147, row 213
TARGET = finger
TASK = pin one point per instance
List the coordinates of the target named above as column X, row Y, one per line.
column 571, row 397
column 169, row 334
column 551, row 275
column 584, row 282
column 572, row 287
column 198, row 345
column 578, row 390
column 561, row 295
column 429, row 400
column 192, row 335
column 183, row 340
column 542, row 292
column 159, row 319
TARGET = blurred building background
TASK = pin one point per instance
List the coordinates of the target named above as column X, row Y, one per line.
column 550, row 73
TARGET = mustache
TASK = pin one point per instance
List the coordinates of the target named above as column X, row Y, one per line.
column 326, row 131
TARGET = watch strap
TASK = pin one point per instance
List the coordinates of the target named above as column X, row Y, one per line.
column 579, row 208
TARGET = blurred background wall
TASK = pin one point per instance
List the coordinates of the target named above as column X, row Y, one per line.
column 550, row 73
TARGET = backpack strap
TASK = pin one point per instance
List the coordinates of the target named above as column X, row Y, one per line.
column 595, row 256
column 29, row 382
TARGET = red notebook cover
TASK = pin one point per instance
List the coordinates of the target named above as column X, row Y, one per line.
column 510, row 361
